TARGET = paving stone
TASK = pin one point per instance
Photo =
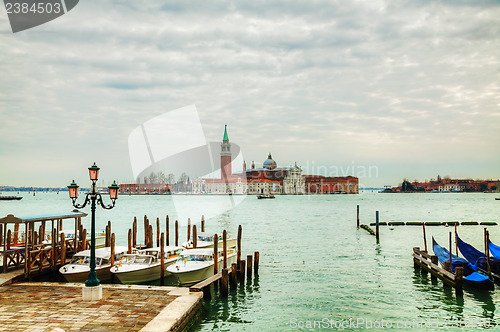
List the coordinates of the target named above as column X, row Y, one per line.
column 47, row 307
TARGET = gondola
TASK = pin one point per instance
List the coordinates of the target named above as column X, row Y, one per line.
column 471, row 277
column 479, row 260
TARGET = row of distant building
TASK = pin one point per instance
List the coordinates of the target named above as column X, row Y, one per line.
column 448, row 185
column 268, row 179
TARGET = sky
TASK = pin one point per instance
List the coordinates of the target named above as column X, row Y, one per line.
column 382, row 90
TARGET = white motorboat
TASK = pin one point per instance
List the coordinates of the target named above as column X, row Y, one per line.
column 206, row 240
column 78, row 269
column 194, row 265
column 144, row 266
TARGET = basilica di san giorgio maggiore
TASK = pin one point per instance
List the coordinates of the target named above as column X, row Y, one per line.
column 269, row 179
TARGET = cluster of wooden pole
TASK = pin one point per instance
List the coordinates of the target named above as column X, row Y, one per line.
column 148, row 233
column 230, row 276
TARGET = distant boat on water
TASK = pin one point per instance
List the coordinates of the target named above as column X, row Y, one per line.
column 265, row 196
column 10, row 198
column 497, row 198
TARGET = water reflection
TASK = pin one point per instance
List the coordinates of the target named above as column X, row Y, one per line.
column 444, row 297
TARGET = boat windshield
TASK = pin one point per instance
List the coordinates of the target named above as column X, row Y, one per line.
column 79, row 260
column 195, row 258
column 142, row 260
column 206, row 238
column 127, row 259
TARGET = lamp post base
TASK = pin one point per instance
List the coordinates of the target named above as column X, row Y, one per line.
column 93, row 293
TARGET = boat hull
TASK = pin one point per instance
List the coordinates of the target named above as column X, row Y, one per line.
column 192, row 277
column 103, row 274
column 142, row 275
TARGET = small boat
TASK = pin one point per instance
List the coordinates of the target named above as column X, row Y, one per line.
column 206, row 240
column 479, row 259
column 100, row 238
column 78, row 269
column 144, row 266
column 263, row 196
column 471, row 277
column 497, row 198
column 10, row 198
column 194, row 265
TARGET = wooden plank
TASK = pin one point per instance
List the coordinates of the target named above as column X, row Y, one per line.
column 443, row 278
column 433, row 267
column 207, row 282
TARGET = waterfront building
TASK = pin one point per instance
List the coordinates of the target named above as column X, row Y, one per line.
column 270, row 179
column 144, row 188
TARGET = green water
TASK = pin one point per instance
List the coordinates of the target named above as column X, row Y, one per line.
column 315, row 266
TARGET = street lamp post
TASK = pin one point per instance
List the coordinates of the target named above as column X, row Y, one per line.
column 93, row 197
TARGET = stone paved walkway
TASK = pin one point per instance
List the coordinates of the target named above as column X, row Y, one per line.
column 59, row 307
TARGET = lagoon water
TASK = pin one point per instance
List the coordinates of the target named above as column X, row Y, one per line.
column 315, row 265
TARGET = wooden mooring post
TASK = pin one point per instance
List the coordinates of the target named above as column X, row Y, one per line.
column 134, row 232
column 242, row 272
column 435, row 261
column 202, row 223
column 162, row 259
column 157, row 231
column 216, row 254
column 195, row 237
column 425, row 238
column 224, row 283
column 112, row 244
column 233, row 275
column 189, row 230
column 487, row 250
column 357, row 216
column 224, row 249
column 377, row 231
column 107, row 240
column 167, row 226
column 129, row 242
column 256, row 262
column 249, row 266
column 176, row 233
column 238, row 253
column 150, row 233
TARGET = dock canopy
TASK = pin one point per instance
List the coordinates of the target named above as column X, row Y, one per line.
column 11, row 219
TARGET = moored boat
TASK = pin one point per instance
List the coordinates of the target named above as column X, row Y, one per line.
column 10, row 198
column 263, row 196
column 206, row 240
column 144, row 266
column 479, row 259
column 471, row 277
column 194, row 265
column 78, row 269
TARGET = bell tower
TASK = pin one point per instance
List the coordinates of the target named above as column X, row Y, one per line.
column 225, row 157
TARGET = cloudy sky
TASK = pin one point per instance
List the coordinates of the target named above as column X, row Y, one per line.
column 379, row 89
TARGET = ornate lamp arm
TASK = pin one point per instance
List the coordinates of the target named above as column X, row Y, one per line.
column 81, row 206
column 107, row 207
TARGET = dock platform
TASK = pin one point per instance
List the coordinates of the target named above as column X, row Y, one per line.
column 59, row 306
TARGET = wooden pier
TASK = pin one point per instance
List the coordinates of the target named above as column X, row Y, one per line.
column 35, row 252
column 32, row 255
column 428, row 263
column 220, row 279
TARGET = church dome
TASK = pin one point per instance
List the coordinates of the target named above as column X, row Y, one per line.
column 269, row 163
